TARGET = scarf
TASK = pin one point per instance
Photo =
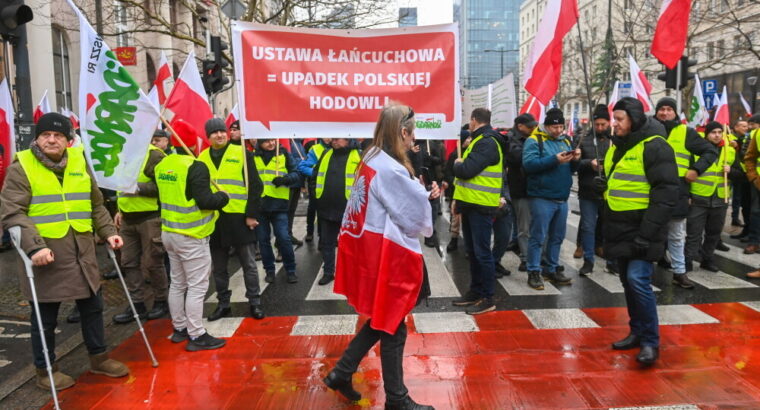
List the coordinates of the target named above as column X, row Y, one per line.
column 56, row 167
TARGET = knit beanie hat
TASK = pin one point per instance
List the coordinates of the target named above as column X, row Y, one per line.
column 635, row 111
column 554, row 116
column 755, row 119
column 711, row 126
column 215, row 124
column 53, row 121
column 601, row 112
column 235, row 124
column 186, row 132
column 666, row 101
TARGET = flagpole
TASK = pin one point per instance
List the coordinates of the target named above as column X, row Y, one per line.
column 725, row 173
column 590, row 102
column 184, row 146
column 245, row 163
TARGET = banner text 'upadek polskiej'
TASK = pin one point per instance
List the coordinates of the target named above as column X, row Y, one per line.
column 307, row 83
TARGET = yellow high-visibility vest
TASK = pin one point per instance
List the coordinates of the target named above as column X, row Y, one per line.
column 134, row 202
column 229, row 177
column 627, row 186
column 268, row 172
column 485, row 188
column 712, row 179
column 351, row 164
column 677, row 140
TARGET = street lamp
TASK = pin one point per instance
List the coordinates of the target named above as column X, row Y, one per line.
column 752, row 81
column 501, row 52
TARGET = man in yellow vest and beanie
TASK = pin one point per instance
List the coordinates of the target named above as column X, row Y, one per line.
column 142, row 256
column 707, row 213
column 477, row 193
column 335, row 173
column 237, row 221
column 51, row 194
column 686, row 144
column 641, row 190
column 188, row 215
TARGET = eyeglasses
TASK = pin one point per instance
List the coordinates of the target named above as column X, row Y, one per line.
column 408, row 116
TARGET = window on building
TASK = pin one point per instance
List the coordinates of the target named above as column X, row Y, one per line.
column 61, row 70
column 721, row 48
column 628, row 27
column 407, row 16
column 120, row 12
column 710, row 50
column 150, row 68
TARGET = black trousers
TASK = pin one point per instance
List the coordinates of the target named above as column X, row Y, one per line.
column 295, row 195
column 328, row 241
column 311, row 212
column 391, row 358
column 246, row 255
column 91, row 313
column 707, row 221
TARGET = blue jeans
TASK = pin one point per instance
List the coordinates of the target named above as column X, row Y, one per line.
column 676, row 244
column 548, row 218
column 279, row 223
column 502, row 235
column 477, row 229
column 636, row 276
column 589, row 218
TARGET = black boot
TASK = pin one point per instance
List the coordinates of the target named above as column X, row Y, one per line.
column 708, row 264
column 73, row 316
column 219, row 313
column 432, row 241
column 342, row 386
column 325, row 279
column 127, row 316
column 587, row 268
column 257, row 312
column 722, row 247
column 111, row 275
column 406, row 404
column 453, row 244
column 629, row 342
column 501, row 271
column 160, row 309
column 648, row 355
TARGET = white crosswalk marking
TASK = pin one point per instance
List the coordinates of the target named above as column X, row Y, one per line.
column 322, row 325
column 224, row 327
column 322, row 292
column 237, row 283
column 673, row 407
column 737, row 253
column 444, row 322
column 718, row 280
column 752, row 305
column 683, row 315
column 441, row 283
column 559, row 319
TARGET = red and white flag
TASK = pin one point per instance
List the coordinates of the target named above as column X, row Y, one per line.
column 571, row 125
column 614, row 97
column 745, row 104
column 42, row 108
column 7, row 129
column 544, row 63
column 379, row 267
column 535, row 108
column 722, row 114
column 71, row 116
column 153, row 97
column 640, row 86
column 670, row 35
column 233, row 116
column 683, row 118
column 164, row 80
column 188, row 100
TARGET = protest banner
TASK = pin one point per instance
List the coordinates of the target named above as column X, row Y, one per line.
column 333, row 83
column 499, row 97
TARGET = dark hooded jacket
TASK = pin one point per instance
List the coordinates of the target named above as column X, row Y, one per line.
column 516, row 177
column 586, row 172
column 622, row 228
column 482, row 155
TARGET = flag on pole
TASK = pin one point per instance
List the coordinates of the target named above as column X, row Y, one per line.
column 698, row 115
column 233, row 116
column 544, row 63
column 7, row 129
column 164, row 80
column 722, row 114
column 614, row 97
column 745, row 104
column 535, row 108
column 670, row 35
column 71, row 116
column 42, row 108
column 188, row 100
column 117, row 119
column 683, row 118
column 571, row 125
column 153, row 97
column 640, row 85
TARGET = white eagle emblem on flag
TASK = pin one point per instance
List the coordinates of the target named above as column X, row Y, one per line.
column 356, row 202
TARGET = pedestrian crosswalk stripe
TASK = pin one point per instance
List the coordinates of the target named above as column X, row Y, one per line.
column 683, row 315
column 672, row 407
column 559, row 319
column 444, row 322
column 320, row 325
column 752, row 305
column 718, row 280
column 441, row 283
column 736, row 253
column 322, row 292
column 237, row 283
column 224, row 327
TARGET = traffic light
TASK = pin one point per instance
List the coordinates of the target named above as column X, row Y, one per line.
column 214, row 79
column 13, row 13
column 686, row 62
column 669, row 76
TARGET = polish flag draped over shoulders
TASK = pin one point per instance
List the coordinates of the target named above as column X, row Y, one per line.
column 672, row 28
column 379, row 267
column 544, row 63
column 188, row 100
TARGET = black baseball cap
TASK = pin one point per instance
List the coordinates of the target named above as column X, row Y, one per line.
column 526, row 119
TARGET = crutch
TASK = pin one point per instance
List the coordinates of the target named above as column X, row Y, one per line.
column 15, row 233
column 132, row 306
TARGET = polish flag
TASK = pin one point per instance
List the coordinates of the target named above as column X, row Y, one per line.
column 72, row 117
column 285, row 143
column 534, row 107
column 721, row 111
column 7, row 129
column 640, row 85
column 164, row 80
column 670, row 35
column 233, row 116
column 683, row 118
column 614, row 97
column 745, row 104
column 188, row 100
column 42, row 108
column 379, row 267
column 571, row 125
column 544, row 63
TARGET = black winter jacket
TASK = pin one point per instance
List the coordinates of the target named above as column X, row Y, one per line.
column 697, row 146
column 621, row 228
column 483, row 154
column 516, row 178
column 586, row 172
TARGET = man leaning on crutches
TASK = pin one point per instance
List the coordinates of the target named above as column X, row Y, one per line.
column 51, row 195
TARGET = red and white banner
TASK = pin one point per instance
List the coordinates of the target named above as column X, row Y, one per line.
column 640, row 86
column 42, row 108
column 7, row 129
column 188, row 101
column 670, row 35
column 332, row 83
column 164, row 80
column 746, row 105
column 535, row 108
column 614, row 97
column 543, row 66
column 722, row 114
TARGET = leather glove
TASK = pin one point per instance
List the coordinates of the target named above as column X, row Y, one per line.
column 642, row 246
column 600, row 185
column 279, row 181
